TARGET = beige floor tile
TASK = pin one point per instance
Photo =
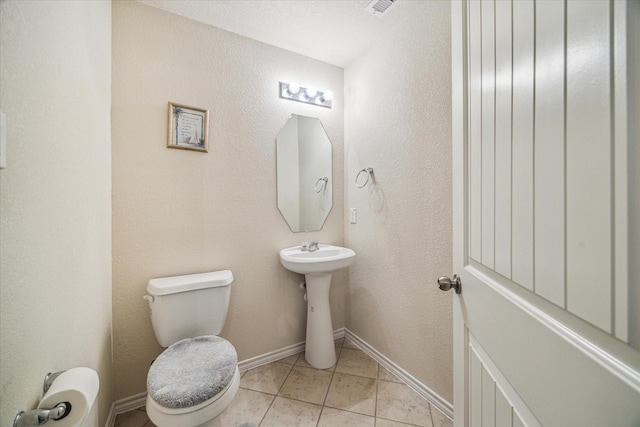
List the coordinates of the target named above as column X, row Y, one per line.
column 349, row 344
column 339, row 342
column 381, row 422
column 398, row 402
column 352, row 393
column 439, row 419
column 334, row 417
column 356, row 362
column 291, row 413
column 267, row 378
column 135, row 418
column 306, row 384
column 247, row 407
column 291, row 360
column 385, row 375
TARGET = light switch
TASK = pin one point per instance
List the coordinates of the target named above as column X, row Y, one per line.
column 353, row 215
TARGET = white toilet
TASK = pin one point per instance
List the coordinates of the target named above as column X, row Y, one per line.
column 197, row 376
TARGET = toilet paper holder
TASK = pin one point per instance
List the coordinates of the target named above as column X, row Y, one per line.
column 49, row 379
column 37, row 417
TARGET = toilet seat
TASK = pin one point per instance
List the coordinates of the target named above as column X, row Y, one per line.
column 194, row 378
column 192, row 371
column 203, row 414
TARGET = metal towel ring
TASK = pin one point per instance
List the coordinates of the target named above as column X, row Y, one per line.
column 368, row 171
column 323, row 183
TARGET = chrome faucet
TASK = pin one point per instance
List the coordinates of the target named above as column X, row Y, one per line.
column 313, row 246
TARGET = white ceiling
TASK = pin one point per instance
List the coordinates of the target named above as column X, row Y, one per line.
column 333, row 31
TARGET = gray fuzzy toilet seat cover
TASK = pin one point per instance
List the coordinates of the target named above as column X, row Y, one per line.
column 191, row 371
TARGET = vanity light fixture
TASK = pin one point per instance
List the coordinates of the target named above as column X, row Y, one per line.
column 308, row 95
column 311, row 92
column 293, row 88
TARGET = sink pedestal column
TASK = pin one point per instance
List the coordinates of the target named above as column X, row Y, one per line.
column 320, row 350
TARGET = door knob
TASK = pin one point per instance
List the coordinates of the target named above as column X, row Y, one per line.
column 445, row 283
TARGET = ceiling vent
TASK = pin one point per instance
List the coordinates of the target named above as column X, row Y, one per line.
column 380, row 8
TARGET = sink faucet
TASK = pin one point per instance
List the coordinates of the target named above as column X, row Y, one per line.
column 313, row 246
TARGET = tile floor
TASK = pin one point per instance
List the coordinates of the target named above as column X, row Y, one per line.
column 289, row 392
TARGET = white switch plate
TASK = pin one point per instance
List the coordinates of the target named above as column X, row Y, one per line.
column 3, row 141
column 353, row 215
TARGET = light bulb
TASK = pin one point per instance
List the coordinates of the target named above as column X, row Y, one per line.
column 293, row 88
column 311, row 92
column 327, row 95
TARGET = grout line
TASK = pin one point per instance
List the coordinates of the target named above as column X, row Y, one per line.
column 431, row 413
column 333, row 376
column 278, row 392
column 326, row 394
column 375, row 405
column 286, row 378
column 267, row 411
column 320, row 415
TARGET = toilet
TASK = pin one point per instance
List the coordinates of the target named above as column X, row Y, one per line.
column 197, row 376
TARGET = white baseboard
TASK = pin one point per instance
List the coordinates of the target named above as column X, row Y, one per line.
column 431, row 396
column 138, row 401
column 125, row 405
column 272, row 356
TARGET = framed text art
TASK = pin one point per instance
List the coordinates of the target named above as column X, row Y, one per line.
column 188, row 128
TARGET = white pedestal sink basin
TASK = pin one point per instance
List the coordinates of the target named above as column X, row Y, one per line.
column 317, row 266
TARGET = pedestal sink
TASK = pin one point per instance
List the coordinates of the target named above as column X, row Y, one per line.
column 317, row 267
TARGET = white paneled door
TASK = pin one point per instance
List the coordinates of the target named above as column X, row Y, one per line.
column 546, row 221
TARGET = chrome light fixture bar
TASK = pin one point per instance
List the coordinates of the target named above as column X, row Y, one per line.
column 308, row 95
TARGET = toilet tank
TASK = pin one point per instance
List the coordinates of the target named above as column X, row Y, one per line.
column 189, row 306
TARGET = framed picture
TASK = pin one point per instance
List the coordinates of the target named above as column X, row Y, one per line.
column 188, row 128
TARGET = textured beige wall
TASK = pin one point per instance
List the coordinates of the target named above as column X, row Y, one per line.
column 55, row 199
column 398, row 121
column 177, row 211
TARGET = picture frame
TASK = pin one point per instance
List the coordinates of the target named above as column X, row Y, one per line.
column 188, row 128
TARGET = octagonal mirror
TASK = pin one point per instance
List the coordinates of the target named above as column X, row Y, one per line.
column 304, row 173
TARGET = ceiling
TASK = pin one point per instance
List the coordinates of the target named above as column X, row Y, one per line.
column 333, row 31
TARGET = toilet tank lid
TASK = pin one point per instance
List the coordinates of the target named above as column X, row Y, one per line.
column 189, row 282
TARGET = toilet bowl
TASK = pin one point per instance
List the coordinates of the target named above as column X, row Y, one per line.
column 202, row 415
column 197, row 376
